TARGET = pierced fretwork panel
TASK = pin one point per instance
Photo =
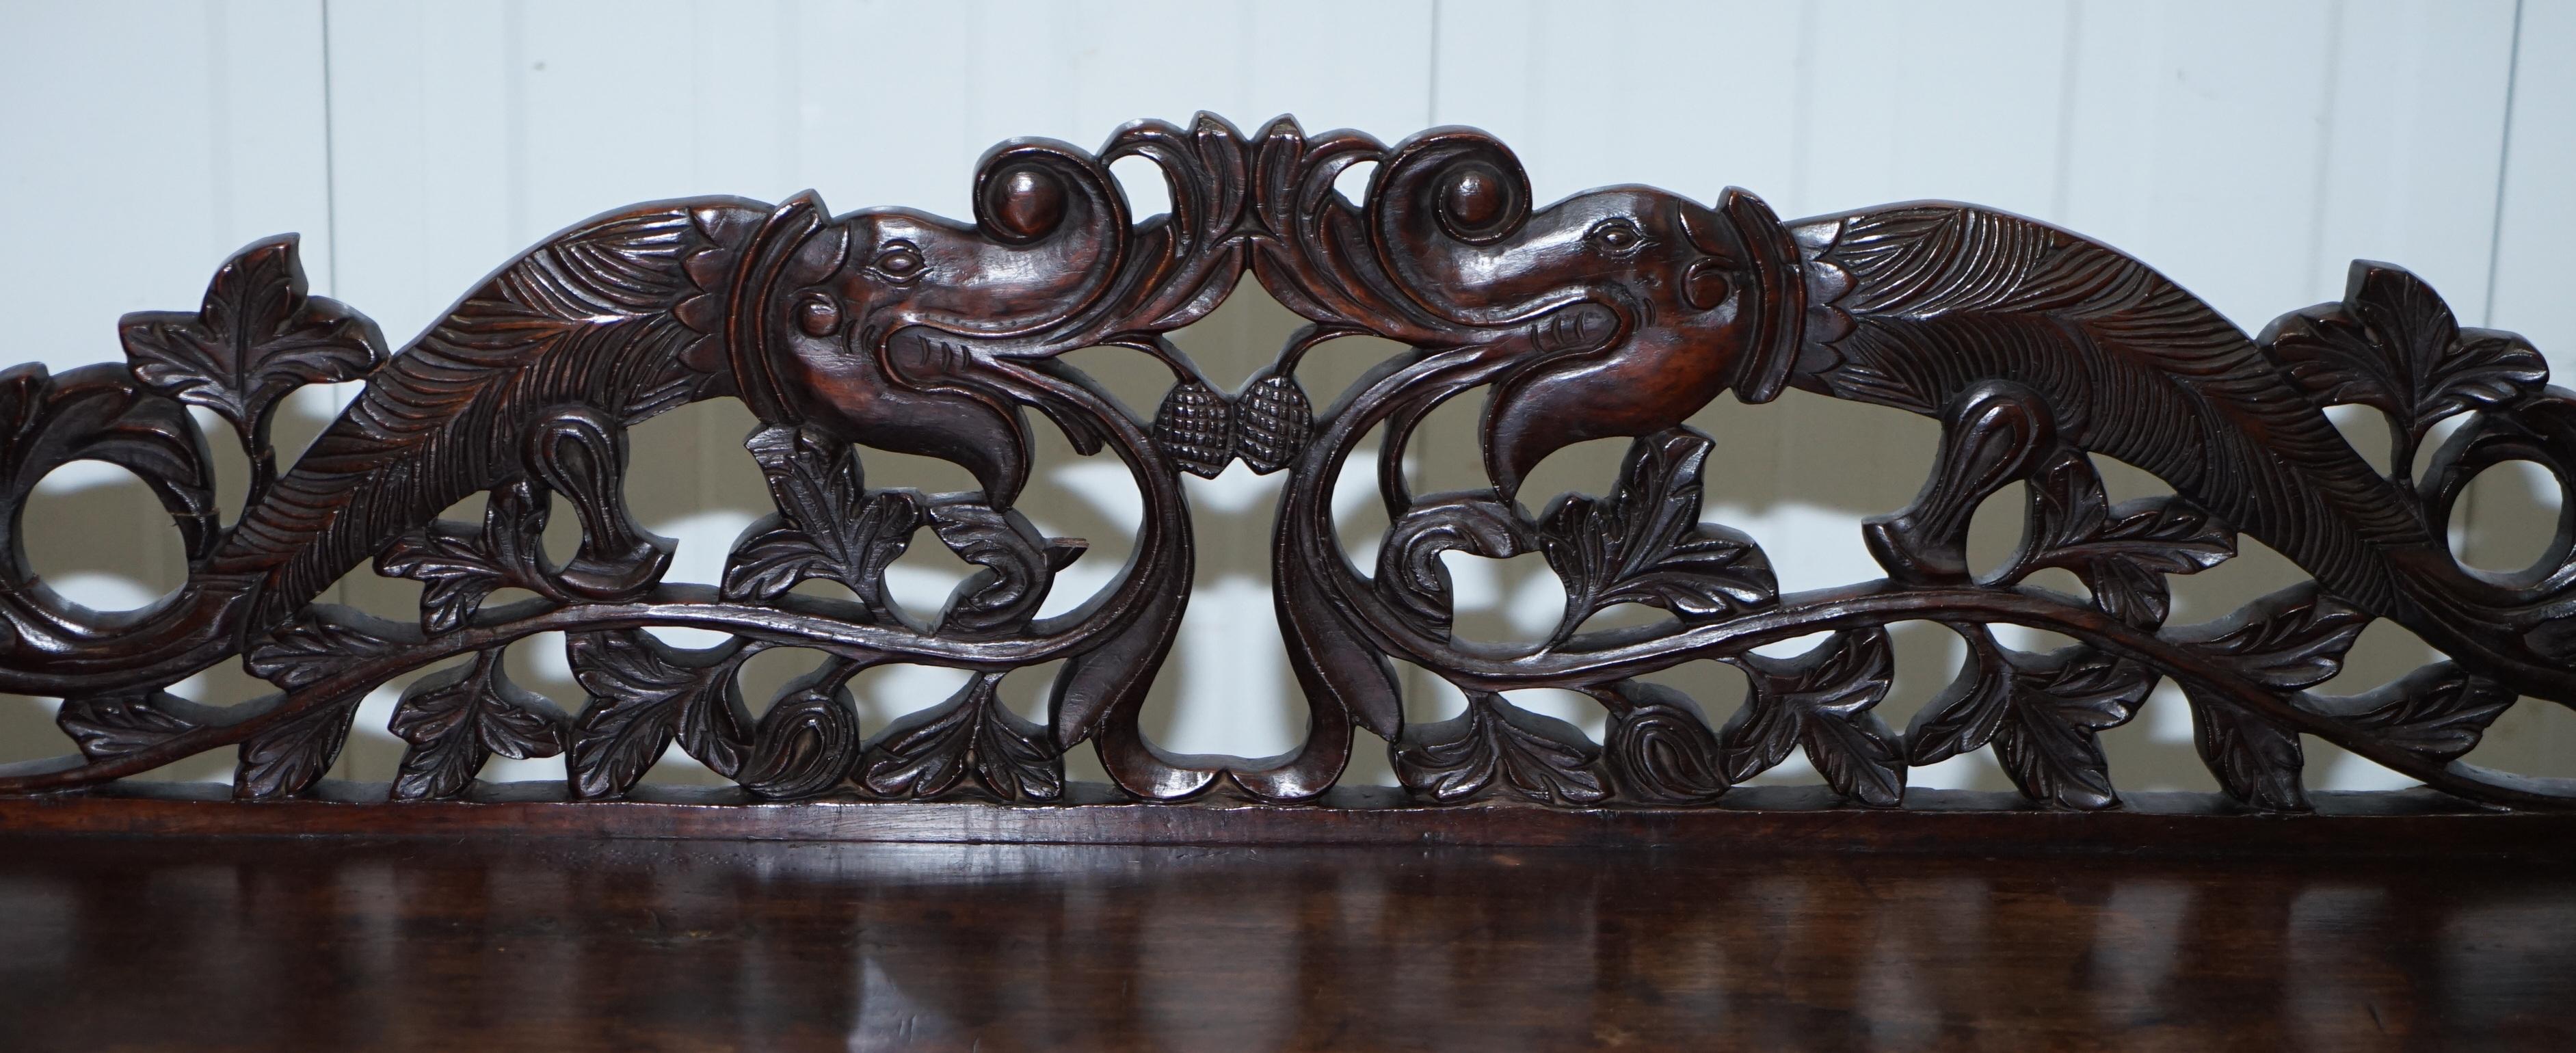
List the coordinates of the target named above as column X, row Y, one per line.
column 1616, row 314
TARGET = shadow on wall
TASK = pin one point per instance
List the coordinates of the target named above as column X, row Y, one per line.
column 1797, row 474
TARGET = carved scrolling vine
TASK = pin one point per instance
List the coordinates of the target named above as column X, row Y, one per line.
column 1616, row 313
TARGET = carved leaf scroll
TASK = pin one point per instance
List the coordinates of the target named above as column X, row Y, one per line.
column 828, row 524
column 807, row 741
column 2042, row 713
column 1822, row 700
column 1645, row 543
column 2121, row 552
column 316, row 646
column 971, row 736
column 1410, row 573
column 95, row 413
column 2394, row 345
column 287, row 758
column 458, row 566
column 2037, row 348
column 2438, row 712
column 458, row 719
column 2256, row 760
column 114, row 725
column 1019, row 564
column 643, row 694
column 2288, row 641
column 256, row 337
column 1499, row 747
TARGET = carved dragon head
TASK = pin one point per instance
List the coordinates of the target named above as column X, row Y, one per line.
column 871, row 326
column 1632, row 307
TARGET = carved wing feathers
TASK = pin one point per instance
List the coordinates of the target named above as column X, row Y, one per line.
column 1942, row 296
column 588, row 316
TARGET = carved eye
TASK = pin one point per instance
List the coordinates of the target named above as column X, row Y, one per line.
column 819, row 314
column 899, row 261
column 1618, row 237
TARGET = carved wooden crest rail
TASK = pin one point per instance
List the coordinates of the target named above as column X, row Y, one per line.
column 1615, row 313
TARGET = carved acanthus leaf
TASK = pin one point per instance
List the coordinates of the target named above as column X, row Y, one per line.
column 828, row 524
column 2121, row 552
column 1822, row 700
column 456, row 719
column 2394, row 345
column 287, row 758
column 2289, row 641
column 1645, row 543
column 643, row 693
column 458, row 566
column 2437, row 712
column 1497, row 746
column 256, row 337
column 116, row 724
column 972, row 735
column 2042, row 713
column 2257, row 761
column 318, row 645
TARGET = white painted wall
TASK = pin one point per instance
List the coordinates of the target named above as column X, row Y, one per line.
column 2249, row 150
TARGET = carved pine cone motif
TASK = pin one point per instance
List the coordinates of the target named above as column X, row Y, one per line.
column 1195, row 429
column 1272, row 421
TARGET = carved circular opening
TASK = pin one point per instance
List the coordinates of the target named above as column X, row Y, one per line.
column 2516, row 520
column 96, row 537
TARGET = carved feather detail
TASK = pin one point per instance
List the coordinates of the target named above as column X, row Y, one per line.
column 586, row 317
column 1942, row 296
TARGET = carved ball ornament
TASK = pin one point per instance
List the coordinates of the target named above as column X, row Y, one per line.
column 1614, row 313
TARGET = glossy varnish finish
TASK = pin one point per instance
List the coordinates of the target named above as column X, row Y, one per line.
column 284, row 944
column 1760, row 820
column 1616, row 313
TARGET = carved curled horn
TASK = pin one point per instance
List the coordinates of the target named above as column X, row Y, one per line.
column 1439, row 198
column 1043, row 207
column 1780, row 304
column 766, row 264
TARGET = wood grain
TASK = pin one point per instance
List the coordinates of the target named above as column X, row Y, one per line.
column 285, row 944
column 1762, row 820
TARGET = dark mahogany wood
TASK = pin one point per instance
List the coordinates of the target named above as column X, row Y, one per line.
column 1616, row 313
column 1762, row 820
column 286, row 944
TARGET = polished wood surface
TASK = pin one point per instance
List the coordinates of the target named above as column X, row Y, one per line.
column 1765, row 820
column 289, row 944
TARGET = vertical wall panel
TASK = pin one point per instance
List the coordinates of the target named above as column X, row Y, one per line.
column 2511, row 512
column 141, row 144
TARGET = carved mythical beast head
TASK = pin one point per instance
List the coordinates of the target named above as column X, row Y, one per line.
column 869, row 326
column 1645, row 304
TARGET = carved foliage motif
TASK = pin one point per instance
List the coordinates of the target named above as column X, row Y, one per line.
column 1616, row 314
